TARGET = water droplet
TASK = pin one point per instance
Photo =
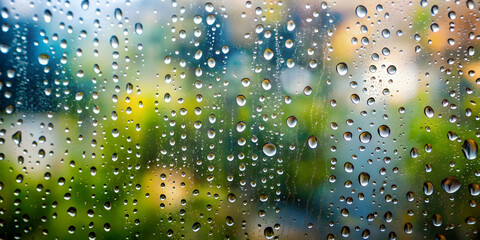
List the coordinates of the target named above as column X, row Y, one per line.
column 138, row 28
column 291, row 121
column 266, row 84
column 72, row 211
column 383, row 131
column 196, row 226
column 114, row 41
column 348, row 167
column 118, row 14
column 365, row 137
column 342, row 69
column 85, row 4
column 470, row 149
column 451, row 184
column 43, row 59
column 263, row 197
column 312, row 142
column 428, row 188
column 241, row 100
column 361, row 11
column 437, row 220
column 429, row 111
column 355, row 99
column 268, row 54
column 47, row 16
column 268, row 232
column 363, row 178
column 391, row 69
column 474, row 189
column 17, row 138
column 470, row 220
column 290, row 25
column 269, row 149
column 434, row 27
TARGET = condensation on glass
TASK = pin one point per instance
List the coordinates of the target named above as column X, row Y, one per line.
column 239, row 119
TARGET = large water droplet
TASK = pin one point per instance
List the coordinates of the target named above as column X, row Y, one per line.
column 118, row 14
column 361, row 11
column 269, row 149
column 451, row 184
column 268, row 54
column 268, row 232
column 428, row 188
column 138, row 28
column 470, row 149
column 17, row 138
column 196, row 226
column 437, row 220
column 114, row 41
column 383, row 131
column 429, row 111
column 363, row 178
column 43, row 59
column 365, row 137
column 47, row 15
column 312, row 142
column 291, row 121
column 342, row 69
column 241, row 100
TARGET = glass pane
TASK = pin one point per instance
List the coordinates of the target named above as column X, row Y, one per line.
column 239, row 119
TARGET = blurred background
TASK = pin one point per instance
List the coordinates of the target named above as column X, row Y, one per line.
column 302, row 119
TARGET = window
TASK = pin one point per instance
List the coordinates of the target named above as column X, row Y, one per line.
column 136, row 119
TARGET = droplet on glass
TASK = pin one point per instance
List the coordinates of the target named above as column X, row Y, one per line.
column 268, row 232
column 269, row 149
column 429, row 111
column 470, row 149
column 363, row 178
column 451, row 184
column 241, row 100
column 365, row 137
column 342, row 69
column 43, row 59
column 361, row 11
column 196, row 226
column 138, row 28
column 312, row 142
column 17, row 138
column 291, row 121
column 383, row 131
column 268, row 54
